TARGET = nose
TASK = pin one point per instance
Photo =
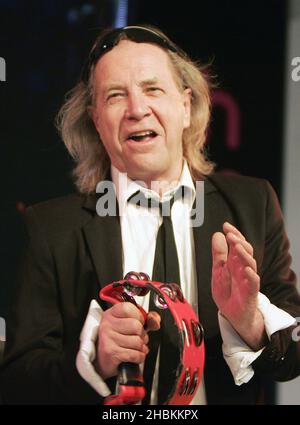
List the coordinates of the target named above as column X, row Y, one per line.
column 137, row 107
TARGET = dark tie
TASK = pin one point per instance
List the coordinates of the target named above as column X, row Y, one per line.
column 166, row 270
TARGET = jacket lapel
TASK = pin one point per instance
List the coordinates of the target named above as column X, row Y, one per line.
column 202, row 239
column 103, row 237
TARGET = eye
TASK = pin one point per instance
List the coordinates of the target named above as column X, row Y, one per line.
column 154, row 89
column 114, row 96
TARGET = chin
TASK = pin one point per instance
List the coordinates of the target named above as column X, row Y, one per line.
column 142, row 169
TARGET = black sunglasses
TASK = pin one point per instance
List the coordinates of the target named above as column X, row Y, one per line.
column 133, row 33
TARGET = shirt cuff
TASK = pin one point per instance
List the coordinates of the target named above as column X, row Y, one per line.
column 87, row 350
column 236, row 352
column 275, row 318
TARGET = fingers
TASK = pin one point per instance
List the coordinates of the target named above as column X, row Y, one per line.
column 232, row 239
column 121, row 338
column 235, row 282
column 127, row 326
column 233, row 262
column 221, row 280
column 132, row 342
column 110, row 355
column 219, row 249
column 128, row 355
column 253, row 280
column 124, row 318
column 228, row 227
column 232, row 246
column 240, row 249
column 241, row 263
column 127, row 310
column 240, row 255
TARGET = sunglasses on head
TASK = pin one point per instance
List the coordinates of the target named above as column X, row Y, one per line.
column 110, row 40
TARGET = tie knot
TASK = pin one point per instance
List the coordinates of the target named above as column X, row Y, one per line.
column 166, row 207
column 141, row 200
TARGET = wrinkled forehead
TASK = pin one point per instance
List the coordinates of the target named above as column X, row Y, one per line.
column 130, row 62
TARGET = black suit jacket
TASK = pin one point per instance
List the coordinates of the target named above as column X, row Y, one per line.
column 71, row 253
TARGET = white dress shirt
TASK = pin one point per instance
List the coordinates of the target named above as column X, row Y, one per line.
column 139, row 228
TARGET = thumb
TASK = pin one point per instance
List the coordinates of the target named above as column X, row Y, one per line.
column 153, row 321
column 219, row 249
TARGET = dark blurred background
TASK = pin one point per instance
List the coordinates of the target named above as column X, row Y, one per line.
column 44, row 44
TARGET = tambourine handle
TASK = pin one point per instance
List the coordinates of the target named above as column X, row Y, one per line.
column 131, row 385
column 130, row 374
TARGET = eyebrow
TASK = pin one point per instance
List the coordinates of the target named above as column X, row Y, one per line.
column 118, row 86
column 148, row 82
column 113, row 86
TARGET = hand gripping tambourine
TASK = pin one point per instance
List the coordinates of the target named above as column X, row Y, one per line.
column 189, row 335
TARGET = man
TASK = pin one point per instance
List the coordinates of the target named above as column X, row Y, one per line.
column 141, row 111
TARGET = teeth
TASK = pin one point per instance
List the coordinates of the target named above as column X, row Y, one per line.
column 142, row 134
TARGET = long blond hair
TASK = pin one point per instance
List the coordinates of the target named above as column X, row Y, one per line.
column 85, row 146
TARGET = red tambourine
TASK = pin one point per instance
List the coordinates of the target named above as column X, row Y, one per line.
column 189, row 335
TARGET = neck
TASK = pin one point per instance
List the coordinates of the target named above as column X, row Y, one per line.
column 162, row 186
column 162, row 183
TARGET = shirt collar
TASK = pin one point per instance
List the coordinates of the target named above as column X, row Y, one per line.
column 125, row 187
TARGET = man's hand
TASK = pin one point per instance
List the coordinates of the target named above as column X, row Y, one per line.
column 235, row 285
column 123, row 338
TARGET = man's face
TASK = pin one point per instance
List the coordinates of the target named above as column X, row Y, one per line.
column 139, row 111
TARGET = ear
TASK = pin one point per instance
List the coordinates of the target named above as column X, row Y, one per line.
column 187, row 98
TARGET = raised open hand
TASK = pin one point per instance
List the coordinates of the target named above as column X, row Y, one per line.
column 235, row 284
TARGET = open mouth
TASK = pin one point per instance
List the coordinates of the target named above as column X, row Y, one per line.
column 142, row 136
